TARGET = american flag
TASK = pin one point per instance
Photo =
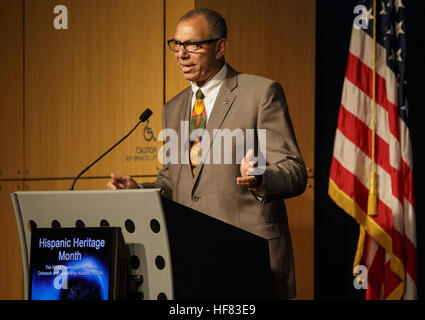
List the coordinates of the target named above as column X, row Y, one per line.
column 372, row 142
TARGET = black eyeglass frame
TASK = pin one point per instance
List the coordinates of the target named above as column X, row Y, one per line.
column 187, row 43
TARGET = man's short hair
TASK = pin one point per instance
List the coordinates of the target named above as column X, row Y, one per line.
column 216, row 23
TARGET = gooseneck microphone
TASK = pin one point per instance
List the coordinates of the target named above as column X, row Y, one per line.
column 143, row 117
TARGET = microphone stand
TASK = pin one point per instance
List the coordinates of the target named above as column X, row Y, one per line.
column 143, row 117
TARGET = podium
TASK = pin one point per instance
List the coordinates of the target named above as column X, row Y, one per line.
column 175, row 251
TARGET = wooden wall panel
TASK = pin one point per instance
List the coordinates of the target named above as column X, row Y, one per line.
column 11, row 90
column 174, row 81
column 11, row 280
column 276, row 39
column 86, row 86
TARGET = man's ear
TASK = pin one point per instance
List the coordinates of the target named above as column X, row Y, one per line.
column 220, row 48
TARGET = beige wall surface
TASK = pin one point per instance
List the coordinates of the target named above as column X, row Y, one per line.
column 66, row 96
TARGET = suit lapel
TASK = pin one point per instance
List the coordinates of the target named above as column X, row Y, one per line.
column 184, row 116
column 222, row 105
column 185, row 113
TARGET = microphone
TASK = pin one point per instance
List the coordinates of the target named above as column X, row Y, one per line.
column 143, row 117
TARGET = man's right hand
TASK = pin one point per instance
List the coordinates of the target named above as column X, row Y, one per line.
column 121, row 182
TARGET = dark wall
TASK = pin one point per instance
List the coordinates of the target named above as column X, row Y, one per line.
column 336, row 233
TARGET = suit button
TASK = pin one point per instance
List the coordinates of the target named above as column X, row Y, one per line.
column 195, row 198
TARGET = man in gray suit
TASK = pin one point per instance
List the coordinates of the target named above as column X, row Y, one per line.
column 231, row 192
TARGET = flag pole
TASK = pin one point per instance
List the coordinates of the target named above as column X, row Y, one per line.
column 372, row 200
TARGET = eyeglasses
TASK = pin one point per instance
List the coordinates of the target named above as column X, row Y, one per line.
column 189, row 46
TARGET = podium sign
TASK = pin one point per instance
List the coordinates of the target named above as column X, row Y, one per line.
column 78, row 264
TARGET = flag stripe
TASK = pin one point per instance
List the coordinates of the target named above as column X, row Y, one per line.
column 396, row 125
column 361, row 45
column 357, row 163
column 356, row 131
column 407, row 176
column 359, row 104
column 353, row 187
column 361, row 76
column 411, row 265
column 349, row 183
column 406, row 148
column 411, row 291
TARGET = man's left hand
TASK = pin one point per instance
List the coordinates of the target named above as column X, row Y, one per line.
column 248, row 180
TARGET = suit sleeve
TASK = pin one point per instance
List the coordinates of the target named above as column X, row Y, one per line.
column 285, row 174
column 163, row 180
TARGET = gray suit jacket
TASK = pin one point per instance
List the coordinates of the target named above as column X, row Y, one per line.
column 246, row 102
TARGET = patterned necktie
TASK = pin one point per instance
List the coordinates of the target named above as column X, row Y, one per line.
column 198, row 120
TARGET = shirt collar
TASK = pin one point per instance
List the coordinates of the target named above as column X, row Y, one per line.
column 215, row 82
